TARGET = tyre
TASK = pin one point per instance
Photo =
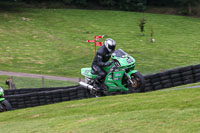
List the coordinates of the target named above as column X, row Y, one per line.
column 188, row 78
column 5, row 106
column 177, row 75
column 163, row 74
column 196, row 66
column 139, row 83
column 148, row 84
column 149, row 88
column 167, row 85
column 175, row 71
column 187, row 73
column 197, row 70
column 178, row 83
column 147, row 81
column 165, row 77
column 155, row 76
column 187, row 68
column 197, row 79
column 155, row 80
column 148, row 76
column 176, row 79
column 197, row 74
column 158, row 87
column 166, row 81
column 189, row 81
column 156, row 84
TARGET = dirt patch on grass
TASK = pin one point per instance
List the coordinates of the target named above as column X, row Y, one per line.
column 86, row 119
column 74, row 105
column 36, row 115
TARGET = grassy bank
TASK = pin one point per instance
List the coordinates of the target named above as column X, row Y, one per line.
column 52, row 41
column 162, row 111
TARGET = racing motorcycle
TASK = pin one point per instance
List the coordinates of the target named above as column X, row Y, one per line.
column 4, row 104
column 121, row 76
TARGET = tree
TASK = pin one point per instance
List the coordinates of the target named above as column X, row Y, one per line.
column 188, row 4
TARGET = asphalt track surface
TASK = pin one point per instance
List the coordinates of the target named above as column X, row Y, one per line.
column 17, row 74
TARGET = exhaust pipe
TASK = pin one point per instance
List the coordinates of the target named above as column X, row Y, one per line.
column 86, row 86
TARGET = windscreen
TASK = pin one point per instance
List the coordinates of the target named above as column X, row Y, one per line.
column 120, row 53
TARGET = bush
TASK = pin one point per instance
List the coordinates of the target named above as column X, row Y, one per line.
column 132, row 5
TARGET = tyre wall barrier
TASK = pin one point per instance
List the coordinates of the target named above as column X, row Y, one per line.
column 46, row 97
column 172, row 78
column 31, row 90
column 23, row 98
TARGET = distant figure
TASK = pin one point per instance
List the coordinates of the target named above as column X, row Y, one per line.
column 10, row 83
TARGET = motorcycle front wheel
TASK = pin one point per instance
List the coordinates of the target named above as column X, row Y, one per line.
column 5, row 106
column 138, row 83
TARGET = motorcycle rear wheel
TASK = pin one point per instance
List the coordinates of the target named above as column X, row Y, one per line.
column 5, row 106
column 139, row 83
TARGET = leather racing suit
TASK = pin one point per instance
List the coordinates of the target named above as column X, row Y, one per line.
column 100, row 61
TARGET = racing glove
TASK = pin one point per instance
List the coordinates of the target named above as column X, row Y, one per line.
column 108, row 63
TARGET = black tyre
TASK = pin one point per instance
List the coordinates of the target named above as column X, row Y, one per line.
column 155, row 80
column 6, row 105
column 187, row 73
column 165, row 77
column 177, row 75
column 168, row 85
column 187, row 68
column 158, row 87
column 148, row 88
column 156, row 84
column 178, row 83
column 196, row 66
column 139, row 83
column 197, row 71
column 175, row 71
column 147, row 84
column 166, row 81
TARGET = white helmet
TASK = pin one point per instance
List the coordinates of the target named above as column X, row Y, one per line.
column 1, row 92
column 110, row 44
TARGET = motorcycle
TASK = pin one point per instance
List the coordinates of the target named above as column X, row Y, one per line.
column 4, row 104
column 121, row 76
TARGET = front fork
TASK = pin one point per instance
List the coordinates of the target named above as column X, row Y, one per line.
column 129, row 79
column 128, row 75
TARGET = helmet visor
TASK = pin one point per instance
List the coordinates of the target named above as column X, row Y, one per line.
column 111, row 47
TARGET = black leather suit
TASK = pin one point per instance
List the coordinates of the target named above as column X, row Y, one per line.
column 102, row 56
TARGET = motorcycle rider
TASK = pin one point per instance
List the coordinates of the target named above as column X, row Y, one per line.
column 101, row 59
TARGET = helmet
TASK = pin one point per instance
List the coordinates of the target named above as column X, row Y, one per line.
column 110, row 44
column 1, row 92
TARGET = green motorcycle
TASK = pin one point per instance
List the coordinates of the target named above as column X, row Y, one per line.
column 4, row 104
column 121, row 76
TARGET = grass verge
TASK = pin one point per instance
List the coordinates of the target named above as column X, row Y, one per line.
column 162, row 111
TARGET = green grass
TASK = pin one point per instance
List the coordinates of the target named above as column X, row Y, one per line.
column 52, row 41
column 3, row 81
column 174, row 111
column 25, row 82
